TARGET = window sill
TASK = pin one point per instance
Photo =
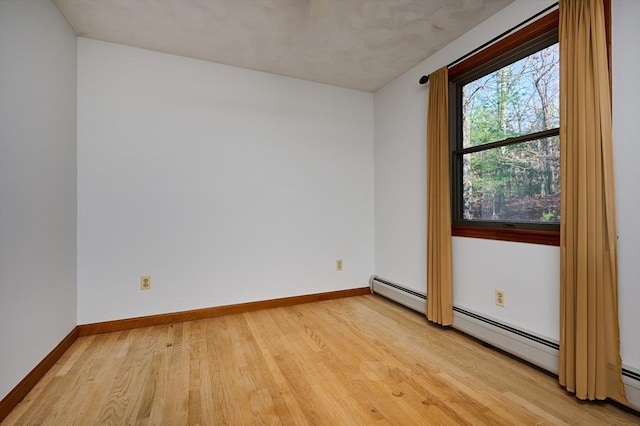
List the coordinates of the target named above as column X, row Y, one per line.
column 532, row 236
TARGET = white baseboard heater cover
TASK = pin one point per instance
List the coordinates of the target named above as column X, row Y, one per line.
column 398, row 293
column 526, row 345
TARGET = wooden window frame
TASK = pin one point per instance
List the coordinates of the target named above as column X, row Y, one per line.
column 547, row 234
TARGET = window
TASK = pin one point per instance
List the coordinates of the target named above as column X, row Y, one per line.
column 505, row 151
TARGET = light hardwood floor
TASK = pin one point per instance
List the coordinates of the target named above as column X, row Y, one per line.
column 354, row 361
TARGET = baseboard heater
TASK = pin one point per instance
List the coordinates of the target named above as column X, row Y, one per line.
column 533, row 348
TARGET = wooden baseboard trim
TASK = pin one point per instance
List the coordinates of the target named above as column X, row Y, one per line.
column 196, row 314
column 21, row 390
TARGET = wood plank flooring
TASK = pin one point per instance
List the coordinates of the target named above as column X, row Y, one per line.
column 354, row 361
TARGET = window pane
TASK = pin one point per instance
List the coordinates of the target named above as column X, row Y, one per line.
column 514, row 183
column 516, row 100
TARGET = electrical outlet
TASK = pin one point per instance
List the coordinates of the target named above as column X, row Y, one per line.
column 339, row 265
column 145, row 282
column 500, row 298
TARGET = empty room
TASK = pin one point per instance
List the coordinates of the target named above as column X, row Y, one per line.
column 319, row 212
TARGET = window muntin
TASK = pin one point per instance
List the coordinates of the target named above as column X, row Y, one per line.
column 505, row 150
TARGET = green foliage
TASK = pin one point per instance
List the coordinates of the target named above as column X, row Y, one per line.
column 550, row 217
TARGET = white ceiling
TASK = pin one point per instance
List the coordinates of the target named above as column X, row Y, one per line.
column 358, row 44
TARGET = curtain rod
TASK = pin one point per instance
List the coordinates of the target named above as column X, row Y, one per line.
column 425, row 78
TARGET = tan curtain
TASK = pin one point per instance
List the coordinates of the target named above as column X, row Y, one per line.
column 439, row 291
column 590, row 362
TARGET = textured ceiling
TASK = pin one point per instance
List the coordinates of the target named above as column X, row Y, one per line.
column 358, row 44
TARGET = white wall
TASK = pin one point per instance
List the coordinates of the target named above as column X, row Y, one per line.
column 225, row 185
column 528, row 273
column 37, row 185
column 626, row 136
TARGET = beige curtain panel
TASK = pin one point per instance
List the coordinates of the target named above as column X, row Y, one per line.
column 590, row 362
column 439, row 280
